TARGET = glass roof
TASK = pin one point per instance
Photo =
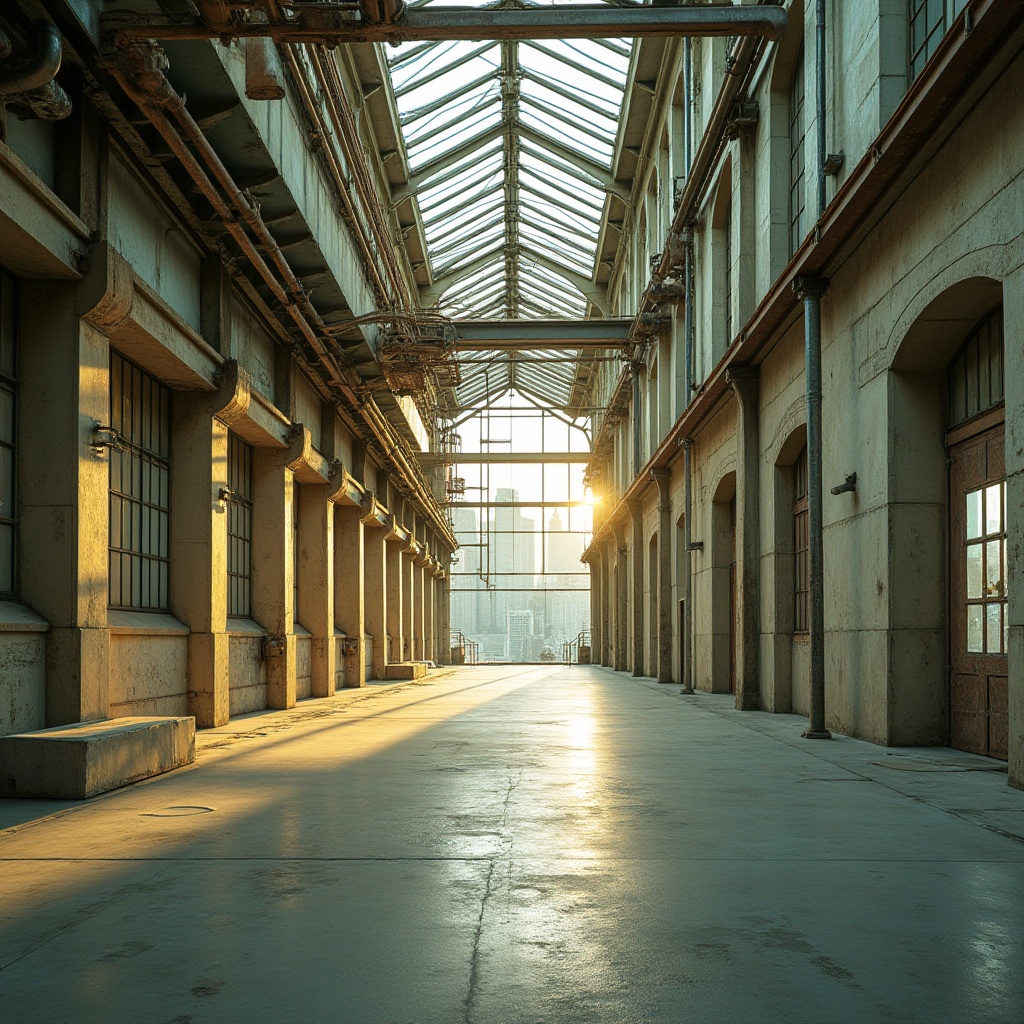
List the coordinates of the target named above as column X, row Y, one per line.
column 510, row 146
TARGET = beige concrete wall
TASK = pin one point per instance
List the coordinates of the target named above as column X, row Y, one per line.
column 303, row 667
column 147, row 674
column 22, row 681
column 248, row 674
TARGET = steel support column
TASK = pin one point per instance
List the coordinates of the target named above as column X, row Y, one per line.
column 664, row 669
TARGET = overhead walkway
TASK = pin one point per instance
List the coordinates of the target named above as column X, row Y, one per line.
column 520, row 845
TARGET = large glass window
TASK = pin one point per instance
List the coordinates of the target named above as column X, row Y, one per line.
column 8, row 419
column 140, row 413
column 239, row 528
column 797, row 133
column 929, row 20
column 801, row 546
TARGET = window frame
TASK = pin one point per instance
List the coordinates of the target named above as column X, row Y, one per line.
column 9, row 387
column 801, row 546
column 797, row 117
column 239, row 528
column 136, row 433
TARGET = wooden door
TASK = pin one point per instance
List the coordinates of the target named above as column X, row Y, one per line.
column 978, row 623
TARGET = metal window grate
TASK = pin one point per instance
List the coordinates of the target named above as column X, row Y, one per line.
column 239, row 528
column 8, row 426
column 797, row 133
column 140, row 412
column 801, row 546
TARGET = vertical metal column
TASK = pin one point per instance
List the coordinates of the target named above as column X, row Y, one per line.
column 809, row 290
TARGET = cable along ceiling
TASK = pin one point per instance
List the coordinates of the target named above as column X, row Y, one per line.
column 510, row 146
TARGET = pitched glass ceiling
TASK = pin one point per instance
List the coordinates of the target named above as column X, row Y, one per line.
column 510, row 146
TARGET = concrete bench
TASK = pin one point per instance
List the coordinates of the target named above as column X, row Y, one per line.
column 73, row 762
column 405, row 670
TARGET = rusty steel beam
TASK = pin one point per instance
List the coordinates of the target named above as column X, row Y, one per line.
column 332, row 24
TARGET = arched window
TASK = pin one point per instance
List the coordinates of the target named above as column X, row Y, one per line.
column 801, row 545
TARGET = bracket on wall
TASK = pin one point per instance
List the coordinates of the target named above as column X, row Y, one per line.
column 272, row 646
column 106, row 437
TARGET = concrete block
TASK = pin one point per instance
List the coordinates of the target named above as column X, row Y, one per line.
column 405, row 670
column 74, row 762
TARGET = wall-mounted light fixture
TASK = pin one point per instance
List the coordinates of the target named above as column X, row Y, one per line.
column 226, row 497
column 106, row 437
column 849, row 484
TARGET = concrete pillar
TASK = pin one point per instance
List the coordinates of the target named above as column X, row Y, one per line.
column 316, row 584
column 596, row 600
column 198, row 546
column 622, row 586
column 745, row 386
column 394, row 564
column 409, row 553
column 63, row 482
column 272, row 570
column 1013, row 446
column 664, row 581
column 375, row 587
column 636, row 518
column 349, row 589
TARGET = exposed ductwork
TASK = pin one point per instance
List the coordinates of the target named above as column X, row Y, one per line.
column 31, row 85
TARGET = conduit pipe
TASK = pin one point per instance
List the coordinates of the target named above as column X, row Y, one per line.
column 33, row 85
column 139, row 69
column 688, row 346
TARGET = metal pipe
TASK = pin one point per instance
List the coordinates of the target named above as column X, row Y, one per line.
column 140, row 71
column 332, row 24
column 809, row 290
column 41, row 69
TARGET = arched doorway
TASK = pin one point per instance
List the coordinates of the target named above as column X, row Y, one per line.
column 723, row 586
column 948, row 521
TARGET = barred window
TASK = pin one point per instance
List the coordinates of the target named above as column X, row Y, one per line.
column 801, row 546
column 8, row 419
column 140, row 412
column 239, row 528
column 929, row 20
column 797, row 133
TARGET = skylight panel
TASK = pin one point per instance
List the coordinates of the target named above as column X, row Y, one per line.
column 491, row 210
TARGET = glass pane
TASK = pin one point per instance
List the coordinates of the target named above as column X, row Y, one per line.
column 6, row 558
column 994, row 632
column 993, row 570
column 974, row 571
column 6, row 483
column 975, row 628
column 6, row 416
column 974, row 514
column 993, row 509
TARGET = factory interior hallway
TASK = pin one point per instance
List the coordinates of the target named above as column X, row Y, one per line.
column 521, row 844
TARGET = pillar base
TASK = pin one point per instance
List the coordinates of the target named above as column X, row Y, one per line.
column 813, row 734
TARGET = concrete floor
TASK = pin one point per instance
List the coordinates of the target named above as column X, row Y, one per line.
column 510, row 845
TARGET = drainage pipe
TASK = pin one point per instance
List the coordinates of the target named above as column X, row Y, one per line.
column 686, row 668
column 809, row 290
column 33, row 85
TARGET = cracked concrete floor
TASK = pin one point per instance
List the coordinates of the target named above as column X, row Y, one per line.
column 511, row 845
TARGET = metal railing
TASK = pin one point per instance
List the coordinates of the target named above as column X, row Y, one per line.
column 577, row 650
column 463, row 651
